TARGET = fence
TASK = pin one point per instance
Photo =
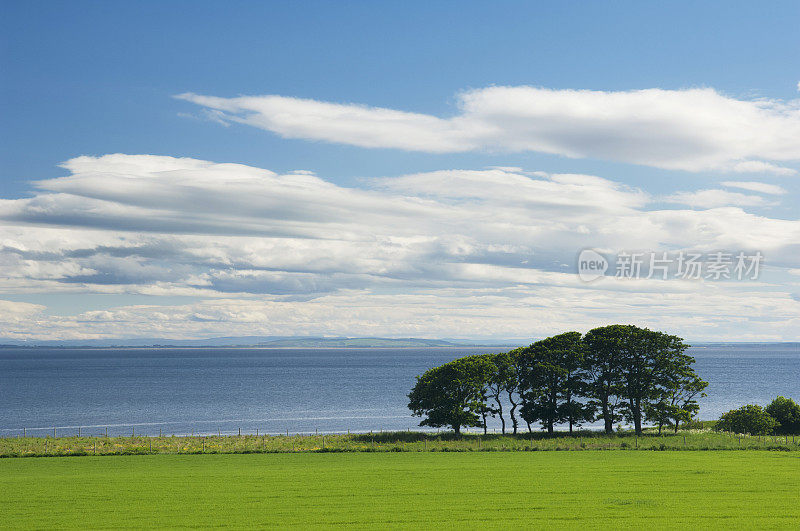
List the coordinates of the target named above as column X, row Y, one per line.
column 255, row 441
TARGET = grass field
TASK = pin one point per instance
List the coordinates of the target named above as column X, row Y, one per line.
column 389, row 441
column 691, row 489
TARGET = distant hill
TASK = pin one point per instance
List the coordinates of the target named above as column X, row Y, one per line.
column 364, row 342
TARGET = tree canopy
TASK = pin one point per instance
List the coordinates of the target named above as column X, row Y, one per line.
column 787, row 412
column 750, row 419
column 551, row 380
column 452, row 394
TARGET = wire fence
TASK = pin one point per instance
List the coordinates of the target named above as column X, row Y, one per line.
column 123, row 442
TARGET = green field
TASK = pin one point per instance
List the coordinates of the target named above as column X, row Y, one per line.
column 744, row 489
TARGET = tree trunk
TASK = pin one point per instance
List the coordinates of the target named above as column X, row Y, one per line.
column 569, row 409
column 676, row 425
column 609, row 424
column 457, row 429
column 637, row 416
column 513, row 416
column 550, row 427
column 500, row 412
column 530, row 430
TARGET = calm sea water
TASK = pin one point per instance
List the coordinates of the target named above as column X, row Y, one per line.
column 329, row 390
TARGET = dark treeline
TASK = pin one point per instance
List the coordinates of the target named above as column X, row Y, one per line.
column 613, row 373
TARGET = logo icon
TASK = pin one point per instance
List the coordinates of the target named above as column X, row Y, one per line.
column 591, row 265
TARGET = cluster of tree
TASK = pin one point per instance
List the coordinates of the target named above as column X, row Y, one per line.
column 612, row 373
column 781, row 416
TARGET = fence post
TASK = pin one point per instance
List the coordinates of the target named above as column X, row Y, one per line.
column 54, row 433
column 79, row 431
column 106, row 431
column 684, row 440
column 240, row 432
column 25, row 435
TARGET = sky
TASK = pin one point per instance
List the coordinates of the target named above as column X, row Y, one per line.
column 407, row 169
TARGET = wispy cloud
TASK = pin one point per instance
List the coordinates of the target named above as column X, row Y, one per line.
column 759, row 166
column 763, row 188
column 693, row 129
column 716, row 198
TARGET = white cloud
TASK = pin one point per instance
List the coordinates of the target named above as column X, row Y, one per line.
column 693, row 129
column 515, row 311
column 759, row 166
column 716, row 198
column 456, row 252
column 763, row 188
column 360, row 125
column 13, row 310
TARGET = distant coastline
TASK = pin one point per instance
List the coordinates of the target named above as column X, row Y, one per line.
column 310, row 342
column 263, row 342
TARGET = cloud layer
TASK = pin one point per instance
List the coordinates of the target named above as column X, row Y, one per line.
column 470, row 253
column 693, row 129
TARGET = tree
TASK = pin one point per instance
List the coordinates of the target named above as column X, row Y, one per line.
column 451, row 395
column 550, row 380
column 638, row 366
column 502, row 381
column 602, row 361
column 513, row 389
column 750, row 419
column 659, row 412
column 683, row 392
column 572, row 410
column 677, row 403
column 787, row 412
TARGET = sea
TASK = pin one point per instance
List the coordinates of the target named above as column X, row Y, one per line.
column 201, row 391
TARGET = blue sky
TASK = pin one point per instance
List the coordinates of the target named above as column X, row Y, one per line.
column 100, row 78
